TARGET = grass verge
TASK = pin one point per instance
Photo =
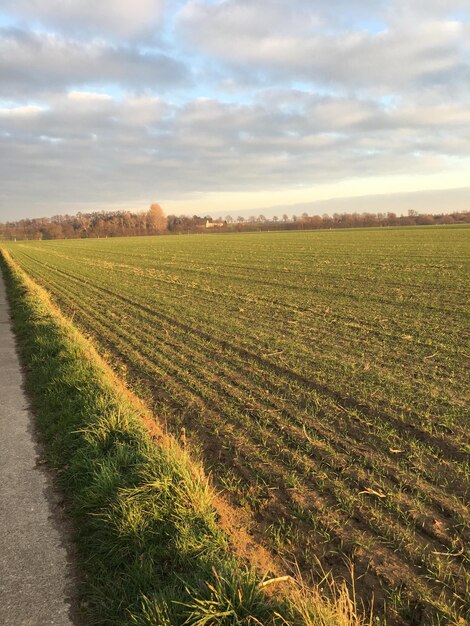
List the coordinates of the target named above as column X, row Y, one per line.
column 148, row 542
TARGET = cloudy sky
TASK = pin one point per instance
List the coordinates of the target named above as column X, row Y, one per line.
column 210, row 105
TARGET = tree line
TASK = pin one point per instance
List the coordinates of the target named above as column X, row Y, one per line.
column 154, row 222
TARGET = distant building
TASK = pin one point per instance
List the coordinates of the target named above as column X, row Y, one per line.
column 215, row 224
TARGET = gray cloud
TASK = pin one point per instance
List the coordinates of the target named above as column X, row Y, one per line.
column 33, row 63
column 112, row 18
column 143, row 147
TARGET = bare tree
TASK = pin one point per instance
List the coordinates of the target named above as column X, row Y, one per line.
column 156, row 220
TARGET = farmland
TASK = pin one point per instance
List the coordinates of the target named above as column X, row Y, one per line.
column 322, row 378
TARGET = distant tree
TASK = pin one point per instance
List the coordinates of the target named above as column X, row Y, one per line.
column 229, row 219
column 446, row 219
column 53, row 231
column 275, row 218
column 327, row 221
column 425, row 220
column 125, row 223
column 315, row 221
column 156, row 220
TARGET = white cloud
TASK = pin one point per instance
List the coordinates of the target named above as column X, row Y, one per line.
column 88, row 96
column 20, row 111
column 287, row 44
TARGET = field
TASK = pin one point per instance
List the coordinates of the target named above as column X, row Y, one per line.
column 321, row 376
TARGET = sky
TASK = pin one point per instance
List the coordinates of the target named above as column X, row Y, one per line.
column 210, row 106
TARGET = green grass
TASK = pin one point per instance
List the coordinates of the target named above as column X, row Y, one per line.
column 322, row 378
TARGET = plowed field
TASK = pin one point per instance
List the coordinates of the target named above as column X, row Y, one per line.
column 321, row 376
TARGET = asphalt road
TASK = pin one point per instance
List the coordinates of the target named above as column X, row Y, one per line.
column 37, row 585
